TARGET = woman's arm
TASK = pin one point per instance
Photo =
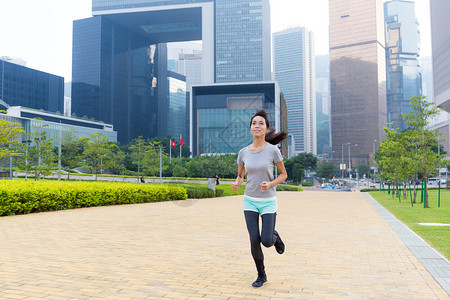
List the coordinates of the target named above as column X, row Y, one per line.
column 239, row 179
column 280, row 179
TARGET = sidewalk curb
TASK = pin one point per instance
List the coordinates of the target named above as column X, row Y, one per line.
column 433, row 261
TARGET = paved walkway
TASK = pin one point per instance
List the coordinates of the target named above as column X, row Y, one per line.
column 338, row 247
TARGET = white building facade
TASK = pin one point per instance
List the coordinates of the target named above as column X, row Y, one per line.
column 294, row 68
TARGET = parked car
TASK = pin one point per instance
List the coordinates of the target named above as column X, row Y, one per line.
column 435, row 181
column 326, row 186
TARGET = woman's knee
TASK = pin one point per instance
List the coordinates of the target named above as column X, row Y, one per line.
column 255, row 240
column 267, row 241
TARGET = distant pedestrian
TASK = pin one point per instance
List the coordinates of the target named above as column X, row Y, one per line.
column 142, row 179
column 257, row 162
column 217, row 180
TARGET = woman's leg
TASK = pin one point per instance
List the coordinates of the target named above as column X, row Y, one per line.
column 252, row 220
column 268, row 238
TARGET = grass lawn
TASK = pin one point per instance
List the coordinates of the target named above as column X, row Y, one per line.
column 437, row 236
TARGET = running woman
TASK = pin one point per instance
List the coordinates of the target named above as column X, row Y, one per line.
column 257, row 162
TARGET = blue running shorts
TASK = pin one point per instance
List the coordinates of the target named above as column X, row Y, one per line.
column 261, row 205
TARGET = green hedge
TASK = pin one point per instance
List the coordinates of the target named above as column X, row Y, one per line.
column 306, row 183
column 198, row 192
column 291, row 188
column 22, row 197
column 369, row 190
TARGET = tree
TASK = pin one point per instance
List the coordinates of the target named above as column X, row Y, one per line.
column 327, row 170
column 98, row 153
column 9, row 133
column 304, row 160
column 298, row 173
column 402, row 156
column 363, row 169
column 418, row 119
column 138, row 148
column 151, row 161
column 40, row 154
column 179, row 171
column 72, row 148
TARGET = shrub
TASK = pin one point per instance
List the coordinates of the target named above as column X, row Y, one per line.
column 291, row 188
column 369, row 190
column 22, row 197
column 306, row 183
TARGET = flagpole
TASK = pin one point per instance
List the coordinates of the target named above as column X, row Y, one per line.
column 181, row 143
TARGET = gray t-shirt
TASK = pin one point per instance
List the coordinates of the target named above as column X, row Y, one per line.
column 258, row 168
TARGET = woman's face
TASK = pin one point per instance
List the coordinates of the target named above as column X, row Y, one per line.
column 258, row 126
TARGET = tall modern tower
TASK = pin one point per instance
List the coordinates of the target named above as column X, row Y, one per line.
column 357, row 76
column 242, row 40
column 119, row 67
column 294, row 68
column 440, row 39
column 403, row 75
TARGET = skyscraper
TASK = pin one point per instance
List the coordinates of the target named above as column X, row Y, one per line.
column 120, row 56
column 402, row 51
column 440, row 39
column 357, row 76
column 295, row 73
column 22, row 86
column 242, row 40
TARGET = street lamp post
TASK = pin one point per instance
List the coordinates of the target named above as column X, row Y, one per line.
column 59, row 153
column 160, row 165
column 27, row 142
column 101, row 163
column 349, row 161
column 342, row 161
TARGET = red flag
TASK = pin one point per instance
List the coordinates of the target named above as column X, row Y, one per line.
column 172, row 143
column 181, row 140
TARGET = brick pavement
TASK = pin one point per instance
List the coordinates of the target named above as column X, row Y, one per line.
column 338, row 247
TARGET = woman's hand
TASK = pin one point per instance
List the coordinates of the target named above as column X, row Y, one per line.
column 239, row 179
column 265, row 186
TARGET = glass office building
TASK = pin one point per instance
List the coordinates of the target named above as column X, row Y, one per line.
column 99, row 5
column 357, row 76
column 119, row 72
column 402, row 65
column 295, row 73
column 220, row 115
column 440, row 38
column 177, row 105
column 56, row 125
column 22, row 86
column 114, row 77
column 242, row 40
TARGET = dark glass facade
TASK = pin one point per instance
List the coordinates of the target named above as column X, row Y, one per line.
column 22, row 86
column 404, row 79
column 120, row 56
column 114, row 77
column 177, row 106
column 221, row 115
column 98, row 5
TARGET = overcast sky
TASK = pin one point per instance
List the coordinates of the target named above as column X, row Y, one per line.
column 40, row 31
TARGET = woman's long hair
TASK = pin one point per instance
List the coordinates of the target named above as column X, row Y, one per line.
column 271, row 136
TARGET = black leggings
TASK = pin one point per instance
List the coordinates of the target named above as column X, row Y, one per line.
column 267, row 238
